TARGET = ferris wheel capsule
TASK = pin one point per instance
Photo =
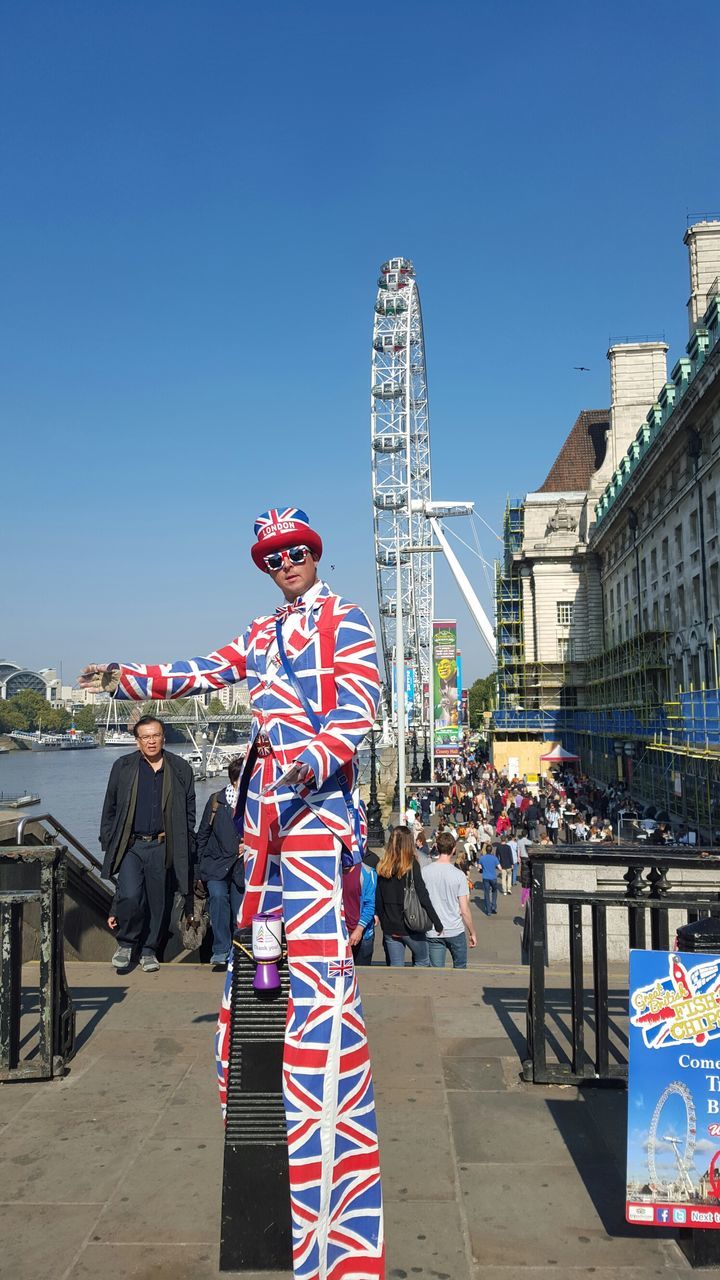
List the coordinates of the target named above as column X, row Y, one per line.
column 389, row 342
column 390, row 306
column 388, row 390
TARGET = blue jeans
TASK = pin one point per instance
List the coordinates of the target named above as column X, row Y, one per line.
column 223, row 905
column 457, row 946
column 395, row 950
column 514, row 873
column 490, row 892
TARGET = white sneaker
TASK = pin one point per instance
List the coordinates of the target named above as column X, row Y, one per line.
column 149, row 963
column 122, row 958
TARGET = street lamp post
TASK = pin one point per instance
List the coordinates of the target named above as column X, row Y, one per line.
column 425, row 770
column 415, row 771
column 400, row 677
column 375, row 832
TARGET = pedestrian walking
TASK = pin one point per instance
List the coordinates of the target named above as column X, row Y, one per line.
column 396, row 868
column 552, row 821
column 147, row 834
column 448, row 890
column 363, row 948
column 220, row 864
column 489, row 866
column 505, row 858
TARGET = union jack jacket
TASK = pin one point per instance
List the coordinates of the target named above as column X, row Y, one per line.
column 333, row 653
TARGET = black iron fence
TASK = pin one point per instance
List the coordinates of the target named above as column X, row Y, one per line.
column 576, row 1029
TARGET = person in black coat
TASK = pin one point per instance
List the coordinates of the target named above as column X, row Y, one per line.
column 220, row 864
column 396, row 864
column 147, row 829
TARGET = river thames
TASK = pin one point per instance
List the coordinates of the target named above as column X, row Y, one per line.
column 71, row 785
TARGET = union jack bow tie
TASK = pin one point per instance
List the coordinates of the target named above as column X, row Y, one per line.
column 284, row 611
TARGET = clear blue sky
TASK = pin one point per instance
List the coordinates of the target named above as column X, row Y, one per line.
column 196, row 199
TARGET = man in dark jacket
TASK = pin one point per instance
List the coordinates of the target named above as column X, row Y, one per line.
column 505, row 858
column 220, row 864
column 147, row 828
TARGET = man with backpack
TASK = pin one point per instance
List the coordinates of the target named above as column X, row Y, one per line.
column 220, row 864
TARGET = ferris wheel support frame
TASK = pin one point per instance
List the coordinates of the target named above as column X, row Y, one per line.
column 401, row 468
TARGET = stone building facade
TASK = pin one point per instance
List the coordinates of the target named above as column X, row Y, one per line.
column 610, row 584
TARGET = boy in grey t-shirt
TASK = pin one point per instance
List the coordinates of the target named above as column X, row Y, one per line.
column 448, row 889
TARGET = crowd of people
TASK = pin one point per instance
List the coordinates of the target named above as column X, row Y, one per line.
column 470, row 830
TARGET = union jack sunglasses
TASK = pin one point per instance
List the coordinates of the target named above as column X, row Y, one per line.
column 296, row 555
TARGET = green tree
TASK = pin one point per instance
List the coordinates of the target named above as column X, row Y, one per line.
column 85, row 720
column 56, row 720
column 11, row 717
column 33, row 706
column 481, row 697
column 215, row 707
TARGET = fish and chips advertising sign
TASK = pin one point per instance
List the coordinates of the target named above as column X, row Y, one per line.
column 673, row 1143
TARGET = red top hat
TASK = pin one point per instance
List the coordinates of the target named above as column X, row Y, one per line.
column 283, row 527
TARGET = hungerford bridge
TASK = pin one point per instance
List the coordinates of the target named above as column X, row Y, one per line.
column 187, row 714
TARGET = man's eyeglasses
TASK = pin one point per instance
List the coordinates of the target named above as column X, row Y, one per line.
column 296, row 555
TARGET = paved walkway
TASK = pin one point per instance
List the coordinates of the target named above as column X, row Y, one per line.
column 115, row 1171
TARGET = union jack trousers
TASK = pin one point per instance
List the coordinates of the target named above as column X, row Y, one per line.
column 294, row 838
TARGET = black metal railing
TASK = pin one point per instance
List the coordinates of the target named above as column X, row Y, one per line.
column 33, row 878
column 575, row 1031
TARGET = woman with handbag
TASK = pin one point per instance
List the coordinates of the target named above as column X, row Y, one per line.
column 402, row 902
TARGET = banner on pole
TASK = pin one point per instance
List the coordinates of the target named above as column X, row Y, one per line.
column 465, row 708
column 409, row 696
column 446, row 731
column 673, row 1142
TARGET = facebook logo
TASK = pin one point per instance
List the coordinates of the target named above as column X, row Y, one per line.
column 679, row 1215
column 663, row 1215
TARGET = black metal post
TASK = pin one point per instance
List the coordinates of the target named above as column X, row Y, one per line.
column 415, row 771
column 376, row 833
column 33, row 878
column 425, row 768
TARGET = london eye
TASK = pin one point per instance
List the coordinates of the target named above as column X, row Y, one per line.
column 683, row 1147
column 401, row 478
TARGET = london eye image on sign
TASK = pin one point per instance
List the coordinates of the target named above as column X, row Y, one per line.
column 673, row 1141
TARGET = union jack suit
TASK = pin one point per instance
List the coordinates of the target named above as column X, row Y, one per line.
column 294, row 838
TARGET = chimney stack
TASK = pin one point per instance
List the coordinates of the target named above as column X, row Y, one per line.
column 703, row 242
column 638, row 371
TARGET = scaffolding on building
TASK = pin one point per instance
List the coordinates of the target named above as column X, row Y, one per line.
column 627, row 731
column 631, row 674
column 508, row 607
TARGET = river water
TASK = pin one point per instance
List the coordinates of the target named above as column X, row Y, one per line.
column 72, row 785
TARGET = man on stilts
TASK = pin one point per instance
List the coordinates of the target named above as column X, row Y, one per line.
column 314, row 685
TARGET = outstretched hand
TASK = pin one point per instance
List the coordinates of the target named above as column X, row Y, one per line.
column 299, row 775
column 99, row 676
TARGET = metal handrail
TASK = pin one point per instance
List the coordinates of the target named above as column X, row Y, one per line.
column 80, row 856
